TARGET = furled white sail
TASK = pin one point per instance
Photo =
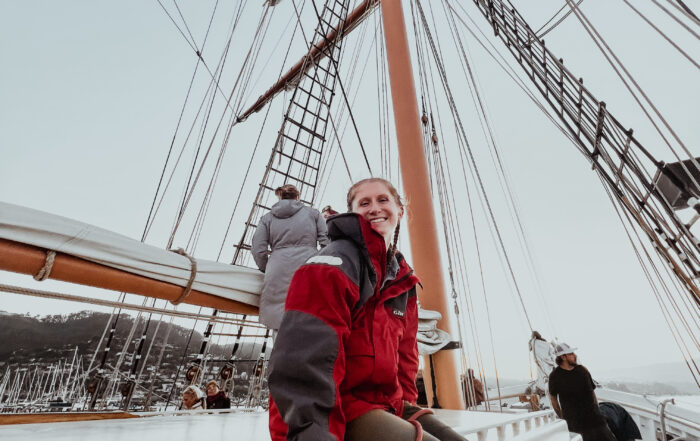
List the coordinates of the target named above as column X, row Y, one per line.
column 60, row 234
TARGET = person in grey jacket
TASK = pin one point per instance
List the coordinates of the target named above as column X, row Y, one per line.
column 290, row 231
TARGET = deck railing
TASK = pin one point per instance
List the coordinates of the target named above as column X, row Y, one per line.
column 681, row 424
column 530, row 426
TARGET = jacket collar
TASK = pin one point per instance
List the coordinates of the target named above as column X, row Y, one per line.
column 353, row 227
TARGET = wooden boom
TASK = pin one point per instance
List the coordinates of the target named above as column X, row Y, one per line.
column 28, row 259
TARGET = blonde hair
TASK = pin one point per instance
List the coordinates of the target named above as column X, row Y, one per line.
column 352, row 192
column 192, row 391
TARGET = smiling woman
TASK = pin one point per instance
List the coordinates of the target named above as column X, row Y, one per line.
column 357, row 301
column 378, row 201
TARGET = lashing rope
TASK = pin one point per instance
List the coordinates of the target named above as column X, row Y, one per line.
column 45, row 270
column 193, row 275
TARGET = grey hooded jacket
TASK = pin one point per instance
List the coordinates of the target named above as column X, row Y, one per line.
column 290, row 231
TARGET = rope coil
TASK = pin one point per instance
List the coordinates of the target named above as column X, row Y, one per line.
column 45, row 271
column 193, row 275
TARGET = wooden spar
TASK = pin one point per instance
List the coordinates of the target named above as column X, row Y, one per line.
column 35, row 418
column 425, row 250
column 28, row 259
column 351, row 22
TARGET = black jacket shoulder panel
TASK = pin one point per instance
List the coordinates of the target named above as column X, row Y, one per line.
column 341, row 253
column 346, row 255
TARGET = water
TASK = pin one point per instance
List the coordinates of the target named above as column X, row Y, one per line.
column 691, row 402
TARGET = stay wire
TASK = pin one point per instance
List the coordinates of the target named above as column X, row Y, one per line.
column 151, row 211
column 340, row 82
column 490, row 136
column 234, row 26
column 666, row 314
column 190, row 192
column 685, row 10
column 451, row 101
column 558, row 22
column 329, row 163
column 685, row 26
column 466, row 299
column 671, row 42
column 191, row 43
column 478, row 354
column 257, row 142
column 598, row 40
column 511, row 72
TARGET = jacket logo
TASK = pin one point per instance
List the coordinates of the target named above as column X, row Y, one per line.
column 328, row 260
column 398, row 312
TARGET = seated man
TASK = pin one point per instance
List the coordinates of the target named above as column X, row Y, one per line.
column 216, row 398
column 473, row 389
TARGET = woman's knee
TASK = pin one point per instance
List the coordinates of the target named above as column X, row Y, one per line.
column 379, row 425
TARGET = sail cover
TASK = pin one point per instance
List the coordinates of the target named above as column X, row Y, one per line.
column 88, row 242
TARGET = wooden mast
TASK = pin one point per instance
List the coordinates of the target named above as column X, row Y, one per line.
column 425, row 249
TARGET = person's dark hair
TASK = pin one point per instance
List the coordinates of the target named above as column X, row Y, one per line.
column 329, row 210
column 287, row 191
column 537, row 335
column 558, row 360
column 397, row 198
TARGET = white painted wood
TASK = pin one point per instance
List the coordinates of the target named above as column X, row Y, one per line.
column 253, row 426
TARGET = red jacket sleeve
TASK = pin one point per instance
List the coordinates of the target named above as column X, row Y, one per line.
column 408, row 352
column 308, row 360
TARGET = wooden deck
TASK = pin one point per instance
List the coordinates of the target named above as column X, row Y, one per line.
column 39, row 418
column 253, row 426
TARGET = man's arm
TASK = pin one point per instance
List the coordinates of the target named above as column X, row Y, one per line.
column 555, row 405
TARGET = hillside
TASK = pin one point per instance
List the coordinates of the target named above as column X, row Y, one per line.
column 39, row 340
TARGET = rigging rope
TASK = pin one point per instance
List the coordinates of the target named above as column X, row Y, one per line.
column 541, row 34
column 257, row 142
column 686, row 27
column 671, row 42
column 598, row 40
column 672, row 328
column 334, row 63
column 685, row 10
column 495, row 151
column 443, row 77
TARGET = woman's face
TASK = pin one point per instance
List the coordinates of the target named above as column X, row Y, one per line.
column 374, row 202
column 212, row 389
column 188, row 399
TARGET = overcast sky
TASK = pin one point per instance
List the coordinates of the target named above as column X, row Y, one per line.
column 91, row 93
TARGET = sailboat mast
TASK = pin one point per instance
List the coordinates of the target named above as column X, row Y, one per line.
column 425, row 249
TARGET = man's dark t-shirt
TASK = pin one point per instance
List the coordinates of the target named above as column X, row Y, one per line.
column 574, row 390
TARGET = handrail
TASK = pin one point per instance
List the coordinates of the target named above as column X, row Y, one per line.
column 515, row 425
column 678, row 420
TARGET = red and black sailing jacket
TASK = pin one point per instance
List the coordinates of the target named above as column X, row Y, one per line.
column 346, row 345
